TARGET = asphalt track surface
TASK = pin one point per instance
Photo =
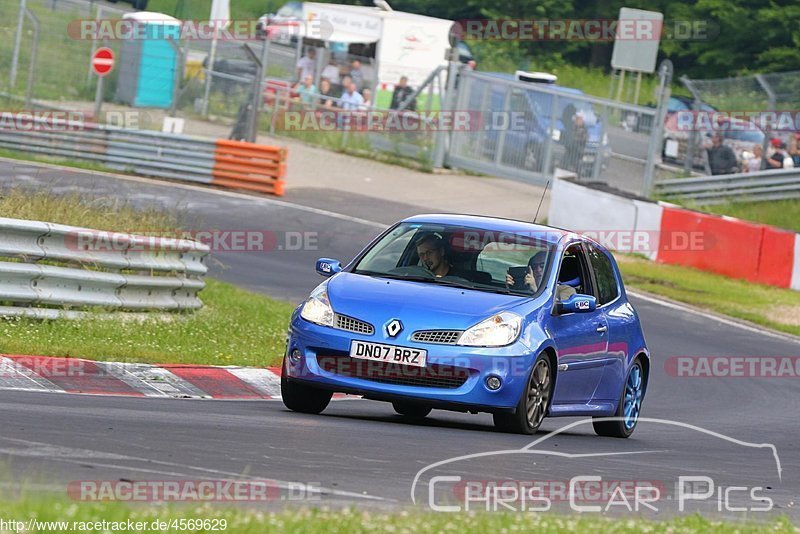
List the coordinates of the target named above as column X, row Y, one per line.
column 360, row 452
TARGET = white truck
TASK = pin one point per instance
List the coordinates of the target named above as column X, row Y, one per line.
column 405, row 44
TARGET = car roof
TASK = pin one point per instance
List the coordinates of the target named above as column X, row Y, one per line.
column 549, row 234
column 553, row 86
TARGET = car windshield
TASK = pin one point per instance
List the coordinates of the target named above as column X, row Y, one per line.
column 465, row 257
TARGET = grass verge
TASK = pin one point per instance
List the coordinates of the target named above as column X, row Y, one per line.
column 355, row 522
column 772, row 307
column 780, row 213
column 234, row 327
column 72, row 209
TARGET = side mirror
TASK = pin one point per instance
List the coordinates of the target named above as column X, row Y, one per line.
column 328, row 267
column 578, row 304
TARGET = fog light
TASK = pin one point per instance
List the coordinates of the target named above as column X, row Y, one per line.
column 295, row 355
column 493, row 383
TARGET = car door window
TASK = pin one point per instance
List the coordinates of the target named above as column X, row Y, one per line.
column 604, row 274
column 573, row 272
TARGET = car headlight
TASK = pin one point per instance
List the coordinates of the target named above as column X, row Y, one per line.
column 496, row 331
column 317, row 308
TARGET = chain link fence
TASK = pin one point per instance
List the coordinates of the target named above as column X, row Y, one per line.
column 50, row 67
column 531, row 131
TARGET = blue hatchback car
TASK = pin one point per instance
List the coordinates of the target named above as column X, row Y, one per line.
column 473, row 314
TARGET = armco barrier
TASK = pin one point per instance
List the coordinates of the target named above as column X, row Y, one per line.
column 127, row 272
column 666, row 233
column 772, row 184
column 231, row 164
column 247, row 166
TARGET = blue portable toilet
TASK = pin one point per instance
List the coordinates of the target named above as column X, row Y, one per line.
column 148, row 61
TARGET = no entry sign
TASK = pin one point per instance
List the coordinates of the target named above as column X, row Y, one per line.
column 103, row 61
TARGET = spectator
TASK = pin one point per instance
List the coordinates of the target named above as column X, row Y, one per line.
column 753, row 164
column 575, row 137
column 401, row 93
column 780, row 157
column 356, row 74
column 331, row 71
column 351, row 99
column 346, row 80
column 721, row 159
column 326, row 96
column 306, row 91
column 307, row 65
column 367, row 94
column 794, row 149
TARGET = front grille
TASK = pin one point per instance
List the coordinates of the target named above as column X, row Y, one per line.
column 441, row 337
column 344, row 322
column 432, row 376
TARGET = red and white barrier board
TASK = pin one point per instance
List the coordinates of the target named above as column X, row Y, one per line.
column 669, row 234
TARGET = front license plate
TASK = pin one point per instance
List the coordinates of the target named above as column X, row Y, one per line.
column 388, row 353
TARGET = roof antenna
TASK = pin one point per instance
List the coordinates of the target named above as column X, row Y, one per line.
column 540, row 201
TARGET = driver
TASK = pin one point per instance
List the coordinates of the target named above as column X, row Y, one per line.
column 432, row 254
column 534, row 277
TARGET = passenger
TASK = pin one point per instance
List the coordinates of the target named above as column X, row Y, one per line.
column 534, row 277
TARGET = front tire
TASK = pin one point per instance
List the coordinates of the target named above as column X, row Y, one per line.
column 533, row 403
column 414, row 411
column 304, row 399
column 630, row 404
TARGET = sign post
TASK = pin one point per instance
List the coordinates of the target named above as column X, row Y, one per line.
column 102, row 64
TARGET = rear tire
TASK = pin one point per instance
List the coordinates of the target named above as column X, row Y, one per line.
column 533, row 403
column 304, row 399
column 630, row 404
column 415, row 411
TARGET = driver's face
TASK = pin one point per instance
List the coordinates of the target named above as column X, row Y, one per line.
column 431, row 256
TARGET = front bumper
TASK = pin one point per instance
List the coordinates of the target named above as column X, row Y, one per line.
column 317, row 345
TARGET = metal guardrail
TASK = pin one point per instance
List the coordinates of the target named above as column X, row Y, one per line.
column 776, row 184
column 140, row 151
column 230, row 164
column 111, row 270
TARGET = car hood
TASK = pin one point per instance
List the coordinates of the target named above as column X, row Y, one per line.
column 418, row 305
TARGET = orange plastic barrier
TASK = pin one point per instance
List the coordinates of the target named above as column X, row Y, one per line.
column 725, row 246
column 241, row 165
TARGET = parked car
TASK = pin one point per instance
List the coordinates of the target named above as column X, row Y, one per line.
column 287, row 16
column 424, row 317
column 740, row 135
column 525, row 148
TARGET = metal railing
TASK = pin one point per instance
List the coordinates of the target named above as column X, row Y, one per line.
column 45, row 265
column 139, row 151
column 775, row 184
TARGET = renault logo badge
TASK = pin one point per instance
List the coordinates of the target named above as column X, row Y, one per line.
column 393, row 327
